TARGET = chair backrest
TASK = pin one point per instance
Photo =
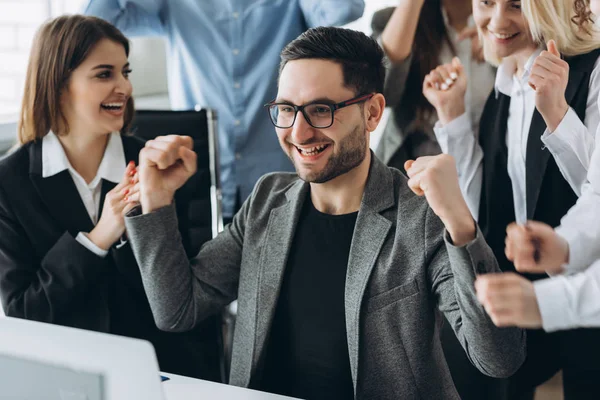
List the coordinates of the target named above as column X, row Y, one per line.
column 200, row 213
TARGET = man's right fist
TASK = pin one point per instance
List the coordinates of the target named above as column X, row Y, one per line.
column 535, row 247
column 166, row 163
column 435, row 177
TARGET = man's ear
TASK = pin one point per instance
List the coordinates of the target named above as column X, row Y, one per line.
column 374, row 111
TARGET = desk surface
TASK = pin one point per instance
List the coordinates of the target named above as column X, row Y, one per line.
column 184, row 388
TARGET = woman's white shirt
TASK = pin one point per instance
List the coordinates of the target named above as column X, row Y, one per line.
column 112, row 167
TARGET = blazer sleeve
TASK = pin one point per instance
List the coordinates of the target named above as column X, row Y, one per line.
column 42, row 290
column 123, row 255
column 496, row 352
column 182, row 292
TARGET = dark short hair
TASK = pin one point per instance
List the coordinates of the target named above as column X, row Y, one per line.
column 59, row 47
column 361, row 58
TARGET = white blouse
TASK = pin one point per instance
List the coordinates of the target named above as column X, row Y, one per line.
column 112, row 167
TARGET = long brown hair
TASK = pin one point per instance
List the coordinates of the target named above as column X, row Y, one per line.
column 60, row 46
column 430, row 38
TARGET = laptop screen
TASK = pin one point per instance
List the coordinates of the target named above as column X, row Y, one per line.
column 25, row 379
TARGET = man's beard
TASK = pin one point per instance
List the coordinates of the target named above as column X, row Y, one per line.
column 351, row 151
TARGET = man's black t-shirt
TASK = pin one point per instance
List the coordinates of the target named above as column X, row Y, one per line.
column 307, row 351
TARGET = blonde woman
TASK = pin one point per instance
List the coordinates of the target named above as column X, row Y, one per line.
column 532, row 154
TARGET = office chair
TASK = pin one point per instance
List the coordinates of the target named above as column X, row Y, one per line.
column 198, row 202
column 204, row 219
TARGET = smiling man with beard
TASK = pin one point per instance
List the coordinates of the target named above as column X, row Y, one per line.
column 340, row 270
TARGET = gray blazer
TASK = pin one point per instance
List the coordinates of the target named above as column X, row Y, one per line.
column 401, row 271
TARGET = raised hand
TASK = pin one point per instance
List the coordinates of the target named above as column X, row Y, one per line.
column 549, row 78
column 166, row 163
column 111, row 225
column 509, row 299
column 536, row 247
column 435, row 177
column 445, row 89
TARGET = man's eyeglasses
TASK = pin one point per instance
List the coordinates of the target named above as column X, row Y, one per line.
column 318, row 115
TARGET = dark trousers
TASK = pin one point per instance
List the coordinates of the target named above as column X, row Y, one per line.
column 470, row 383
column 576, row 352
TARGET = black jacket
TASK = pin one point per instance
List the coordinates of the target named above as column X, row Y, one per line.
column 46, row 275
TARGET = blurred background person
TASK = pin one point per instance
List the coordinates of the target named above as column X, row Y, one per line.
column 417, row 36
column 533, row 150
column 564, row 301
column 224, row 54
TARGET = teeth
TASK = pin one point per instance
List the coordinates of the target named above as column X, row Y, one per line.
column 503, row 35
column 312, row 151
column 113, row 105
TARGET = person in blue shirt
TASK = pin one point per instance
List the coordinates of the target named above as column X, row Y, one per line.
column 224, row 54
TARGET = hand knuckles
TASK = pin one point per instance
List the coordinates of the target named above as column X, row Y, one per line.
column 446, row 158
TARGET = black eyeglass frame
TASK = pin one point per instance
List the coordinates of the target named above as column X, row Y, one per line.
column 333, row 108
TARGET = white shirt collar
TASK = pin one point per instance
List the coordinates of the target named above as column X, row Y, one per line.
column 112, row 166
column 506, row 73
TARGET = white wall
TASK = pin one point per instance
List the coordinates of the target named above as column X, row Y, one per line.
column 19, row 20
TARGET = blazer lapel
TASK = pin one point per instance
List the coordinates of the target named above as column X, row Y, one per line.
column 59, row 194
column 369, row 235
column 537, row 154
column 280, row 234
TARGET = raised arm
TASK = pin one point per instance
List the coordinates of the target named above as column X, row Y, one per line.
column 395, row 28
column 181, row 292
column 561, row 302
column 581, row 226
column 454, row 130
column 133, row 17
column 399, row 33
column 454, row 257
column 331, row 12
column 570, row 140
column 569, row 302
column 570, row 248
column 495, row 352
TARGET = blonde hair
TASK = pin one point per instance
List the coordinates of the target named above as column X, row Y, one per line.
column 568, row 22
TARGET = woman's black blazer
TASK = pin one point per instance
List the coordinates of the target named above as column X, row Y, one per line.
column 46, row 275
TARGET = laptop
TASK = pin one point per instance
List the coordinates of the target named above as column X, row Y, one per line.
column 51, row 362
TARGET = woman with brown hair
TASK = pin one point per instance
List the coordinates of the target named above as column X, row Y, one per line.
column 417, row 36
column 64, row 257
